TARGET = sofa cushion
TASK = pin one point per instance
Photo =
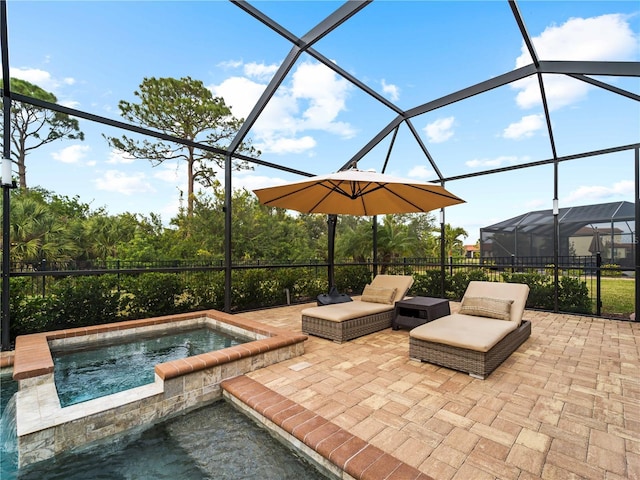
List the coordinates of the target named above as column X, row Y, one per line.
column 464, row 331
column 499, row 308
column 378, row 294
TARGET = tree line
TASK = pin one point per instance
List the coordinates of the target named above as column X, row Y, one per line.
column 59, row 229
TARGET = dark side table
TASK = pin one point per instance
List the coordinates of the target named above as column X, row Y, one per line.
column 418, row 310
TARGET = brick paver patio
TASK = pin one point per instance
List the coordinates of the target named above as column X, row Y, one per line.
column 565, row 405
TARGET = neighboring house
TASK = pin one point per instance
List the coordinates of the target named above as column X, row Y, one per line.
column 471, row 251
column 608, row 228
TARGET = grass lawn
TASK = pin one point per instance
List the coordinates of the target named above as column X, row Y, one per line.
column 618, row 295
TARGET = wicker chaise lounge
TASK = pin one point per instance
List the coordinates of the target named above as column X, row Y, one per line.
column 487, row 329
column 373, row 312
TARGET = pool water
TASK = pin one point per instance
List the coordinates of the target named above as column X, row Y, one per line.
column 216, row 442
column 8, row 450
column 85, row 374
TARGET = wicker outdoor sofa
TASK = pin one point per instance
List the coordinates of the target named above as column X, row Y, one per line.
column 371, row 313
column 487, row 329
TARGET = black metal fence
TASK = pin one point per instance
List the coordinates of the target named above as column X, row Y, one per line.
column 602, row 281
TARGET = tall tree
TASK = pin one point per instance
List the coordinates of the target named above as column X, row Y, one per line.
column 183, row 108
column 33, row 127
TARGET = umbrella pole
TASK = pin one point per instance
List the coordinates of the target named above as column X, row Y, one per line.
column 331, row 221
column 375, row 245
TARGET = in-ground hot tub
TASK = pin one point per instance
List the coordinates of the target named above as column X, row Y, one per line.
column 45, row 429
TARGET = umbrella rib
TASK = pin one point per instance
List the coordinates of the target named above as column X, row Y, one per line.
column 335, row 187
column 301, row 189
column 452, row 197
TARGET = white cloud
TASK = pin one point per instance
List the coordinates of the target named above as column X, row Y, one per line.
column 441, row 130
column 495, row 162
column 125, row 183
column 70, row 103
column 600, row 192
column 119, row 157
column 603, row 38
column 288, row 145
column 173, row 172
column 240, row 94
column 525, row 128
column 422, row 172
column 228, row 64
column 391, row 90
column 312, row 100
column 33, row 75
column 41, row 78
column 71, row 154
column 252, row 182
column 260, row 70
column 325, row 93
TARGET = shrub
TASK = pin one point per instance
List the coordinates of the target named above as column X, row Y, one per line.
column 253, row 288
column 352, row 279
column 427, row 284
column 573, row 296
column 460, row 280
column 83, row 301
column 540, row 288
column 31, row 314
column 204, row 291
column 610, row 270
column 152, row 295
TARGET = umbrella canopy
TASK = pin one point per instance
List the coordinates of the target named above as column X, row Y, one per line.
column 357, row 192
column 596, row 242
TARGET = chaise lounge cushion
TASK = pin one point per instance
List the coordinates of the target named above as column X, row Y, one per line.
column 378, row 294
column 465, row 331
column 341, row 322
column 487, row 307
column 518, row 292
column 340, row 312
column 476, row 344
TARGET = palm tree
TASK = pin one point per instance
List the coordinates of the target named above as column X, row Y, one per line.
column 454, row 245
column 37, row 234
column 394, row 240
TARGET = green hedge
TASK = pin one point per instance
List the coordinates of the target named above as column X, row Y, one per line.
column 573, row 294
column 81, row 301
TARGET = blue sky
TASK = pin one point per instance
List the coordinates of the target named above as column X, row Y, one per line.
column 92, row 54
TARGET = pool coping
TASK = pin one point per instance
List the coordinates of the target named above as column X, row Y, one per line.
column 335, row 450
column 32, row 355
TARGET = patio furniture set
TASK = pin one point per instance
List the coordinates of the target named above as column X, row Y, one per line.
column 485, row 331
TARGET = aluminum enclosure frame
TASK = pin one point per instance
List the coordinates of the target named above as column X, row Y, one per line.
column 575, row 69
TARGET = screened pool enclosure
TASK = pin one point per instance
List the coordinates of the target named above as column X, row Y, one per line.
column 608, row 228
column 483, row 68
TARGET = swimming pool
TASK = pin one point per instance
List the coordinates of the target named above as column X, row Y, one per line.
column 214, row 442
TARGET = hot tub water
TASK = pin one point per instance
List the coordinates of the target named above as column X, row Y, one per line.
column 88, row 373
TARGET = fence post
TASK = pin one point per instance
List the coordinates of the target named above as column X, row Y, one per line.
column 598, row 284
column 43, row 268
column 513, row 263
